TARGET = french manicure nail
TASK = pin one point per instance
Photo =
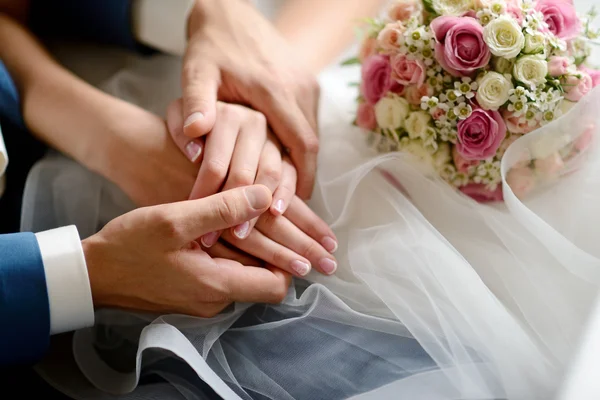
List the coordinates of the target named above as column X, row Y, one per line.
column 329, row 244
column 193, row 151
column 197, row 116
column 209, row 239
column 328, row 265
column 300, row 267
column 241, row 231
column 279, row 206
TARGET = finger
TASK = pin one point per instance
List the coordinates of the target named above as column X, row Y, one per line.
column 255, row 285
column 308, row 101
column 284, row 194
column 200, row 80
column 271, row 252
column 220, row 250
column 282, row 231
column 191, row 148
column 295, row 133
column 218, row 152
column 304, row 218
column 269, row 170
column 187, row 220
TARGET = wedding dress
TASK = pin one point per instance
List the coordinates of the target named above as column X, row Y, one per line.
column 436, row 296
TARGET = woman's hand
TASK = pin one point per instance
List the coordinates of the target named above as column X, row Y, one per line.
column 293, row 242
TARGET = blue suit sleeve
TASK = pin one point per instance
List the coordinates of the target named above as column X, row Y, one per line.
column 24, row 307
column 10, row 108
column 103, row 21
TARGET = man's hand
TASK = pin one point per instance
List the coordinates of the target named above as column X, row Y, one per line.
column 148, row 260
column 234, row 54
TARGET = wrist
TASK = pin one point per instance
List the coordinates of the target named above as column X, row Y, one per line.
column 93, row 251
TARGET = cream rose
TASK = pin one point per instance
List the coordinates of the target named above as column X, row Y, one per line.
column 417, row 149
column 531, row 70
column 503, row 65
column 504, row 37
column 455, row 8
column 391, row 111
column 416, row 124
column 493, row 90
column 535, row 44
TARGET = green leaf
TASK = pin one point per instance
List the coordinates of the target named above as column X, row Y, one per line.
column 354, row 84
column 429, row 7
column 351, row 61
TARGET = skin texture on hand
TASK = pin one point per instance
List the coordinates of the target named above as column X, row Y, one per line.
column 235, row 55
column 148, row 259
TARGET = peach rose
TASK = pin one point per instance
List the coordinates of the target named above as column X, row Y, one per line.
column 414, row 94
column 403, row 10
column 390, row 36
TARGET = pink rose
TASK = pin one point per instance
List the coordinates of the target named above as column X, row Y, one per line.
column 376, row 78
column 481, row 194
column 480, row 135
column 389, row 37
column 460, row 48
column 558, row 66
column 403, row 10
column 516, row 125
column 513, row 8
column 549, row 166
column 407, row 72
column 438, row 113
column 460, row 163
column 561, row 17
column 521, row 181
column 414, row 94
column 367, row 49
column 365, row 117
column 593, row 73
column 576, row 88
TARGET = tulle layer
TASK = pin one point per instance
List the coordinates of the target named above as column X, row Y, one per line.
column 436, row 296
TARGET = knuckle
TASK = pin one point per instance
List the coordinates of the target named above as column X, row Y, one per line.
column 310, row 249
column 271, row 175
column 230, row 112
column 310, row 145
column 258, row 118
column 216, row 169
column 227, row 210
column 243, row 177
column 164, row 223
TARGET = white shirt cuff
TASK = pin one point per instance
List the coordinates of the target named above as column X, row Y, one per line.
column 69, row 291
column 162, row 24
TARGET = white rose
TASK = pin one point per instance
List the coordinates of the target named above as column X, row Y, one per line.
column 443, row 155
column 455, row 8
column 535, row 43
column 390, row 112
column 416, row 124
column 416, row 148
column 503, row 65
column 493, row 91
column 531, row 70
column 504, row 37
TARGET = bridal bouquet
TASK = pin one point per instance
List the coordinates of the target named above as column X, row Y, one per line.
column 455, row 82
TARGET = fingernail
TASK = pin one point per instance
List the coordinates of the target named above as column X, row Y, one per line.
column 329, row 244
column 209, row 239
column 241, row 231
column 279, row 206
column 258, row 197
column 300, row 267
column 197, row 116
column 193, row 151
column 328, row 265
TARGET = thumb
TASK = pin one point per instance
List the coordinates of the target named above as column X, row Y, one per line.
column 200, row 83
column 195, row 218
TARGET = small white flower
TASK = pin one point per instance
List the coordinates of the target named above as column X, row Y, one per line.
column 531, row 70
column 463, row 110
column 448, row 135
column 465, row 87
column 504, row 37
column 429, row 103
column 485, row 16
column 494, row 90
column 452, row 7
column 417, row 123
column 498, row 7
column 391, row 111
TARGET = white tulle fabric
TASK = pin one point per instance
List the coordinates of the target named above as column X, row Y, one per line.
column 436, row 296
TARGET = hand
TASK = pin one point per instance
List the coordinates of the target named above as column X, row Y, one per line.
column 239, row 151
column 236, row 55
column 147, row 260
